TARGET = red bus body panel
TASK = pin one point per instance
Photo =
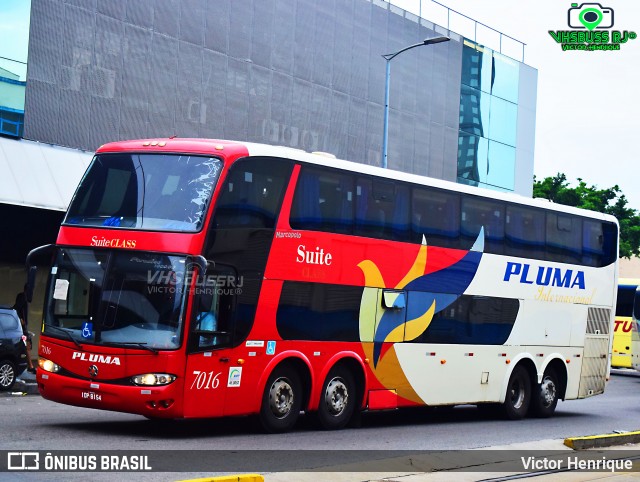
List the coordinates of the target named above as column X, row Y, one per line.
column 202, row 387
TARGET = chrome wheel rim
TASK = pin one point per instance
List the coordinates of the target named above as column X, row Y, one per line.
column 517, row 394
column 336, row 396
column 547, row 391
column 6, row 375
column 281, row 397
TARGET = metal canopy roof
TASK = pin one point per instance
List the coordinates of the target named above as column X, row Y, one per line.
column 39, row 175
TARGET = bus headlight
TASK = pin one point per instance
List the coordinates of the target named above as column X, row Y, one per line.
column 153, row 379
column 48, row 365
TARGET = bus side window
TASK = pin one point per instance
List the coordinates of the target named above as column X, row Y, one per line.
column 323, row 201
column 435, row 215
column 476, row 214
column 252, row 193
column 524, row 232
column 382, row 210
column 564, row 238
column 214, row 303
column 592, row 243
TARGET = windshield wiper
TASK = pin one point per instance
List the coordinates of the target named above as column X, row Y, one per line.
column 139, row 344
column 67, row 334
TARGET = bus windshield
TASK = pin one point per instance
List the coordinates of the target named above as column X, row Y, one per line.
column 111, row 297
column 167, row 192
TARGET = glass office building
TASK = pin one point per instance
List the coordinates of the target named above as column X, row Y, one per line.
column 298, row 73
column 495, row 107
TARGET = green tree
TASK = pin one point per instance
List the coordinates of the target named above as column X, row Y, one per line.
column 610, row 201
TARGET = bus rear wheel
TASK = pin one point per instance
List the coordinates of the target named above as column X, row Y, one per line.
column 337, row 400
column 518, row 397
column 545, row 398
column 281, row 401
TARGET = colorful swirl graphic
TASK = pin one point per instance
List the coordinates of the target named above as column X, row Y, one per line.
column 385, row 319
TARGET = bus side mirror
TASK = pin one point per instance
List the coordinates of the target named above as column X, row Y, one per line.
column 200, row 262
column 42, row 254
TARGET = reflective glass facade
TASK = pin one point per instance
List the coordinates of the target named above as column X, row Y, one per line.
column 489, row 119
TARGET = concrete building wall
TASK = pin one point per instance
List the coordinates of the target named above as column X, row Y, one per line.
column 629, row 268
column 299, row 73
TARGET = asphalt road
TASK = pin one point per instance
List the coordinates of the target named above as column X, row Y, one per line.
column 34, row 423
column 30, row 423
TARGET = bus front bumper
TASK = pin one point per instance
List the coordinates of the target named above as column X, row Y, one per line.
column 152, row 402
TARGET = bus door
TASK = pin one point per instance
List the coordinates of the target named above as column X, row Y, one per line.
column 389, row 326
column 208, row 365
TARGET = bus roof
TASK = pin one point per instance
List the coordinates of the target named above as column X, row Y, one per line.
column 176, row 145
column 229, row 148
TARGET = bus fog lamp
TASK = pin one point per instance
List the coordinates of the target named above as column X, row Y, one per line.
column 153, row 379
column 48, row 365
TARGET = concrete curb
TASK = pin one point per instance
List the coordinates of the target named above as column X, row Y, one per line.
column 21, row 388
column 605, row 440
column 229, row 478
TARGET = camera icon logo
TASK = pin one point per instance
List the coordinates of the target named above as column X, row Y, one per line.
column 590, row 16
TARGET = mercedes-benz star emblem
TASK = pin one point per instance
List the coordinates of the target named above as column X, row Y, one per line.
column 93, row 371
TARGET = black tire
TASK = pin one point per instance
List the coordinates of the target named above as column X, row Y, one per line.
column 7, row 375
column 545, row 395
column 337, row 399
column 281, row 400
column 518, row 397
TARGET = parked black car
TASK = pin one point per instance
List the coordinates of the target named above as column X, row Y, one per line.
column 13, row 353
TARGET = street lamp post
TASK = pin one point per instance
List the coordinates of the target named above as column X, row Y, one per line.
column 388, row 58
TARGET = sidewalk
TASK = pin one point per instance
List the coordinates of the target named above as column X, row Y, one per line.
column 489, row 463
column 25, row 385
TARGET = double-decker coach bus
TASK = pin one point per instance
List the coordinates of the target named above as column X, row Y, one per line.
column 621, row 356
column 204, row 278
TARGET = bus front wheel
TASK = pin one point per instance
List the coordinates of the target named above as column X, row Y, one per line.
column 281, row 401
column 518, row 398
column 545, row 398
column 338, row 399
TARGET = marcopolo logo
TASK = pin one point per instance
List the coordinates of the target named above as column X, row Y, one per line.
column 590, row 23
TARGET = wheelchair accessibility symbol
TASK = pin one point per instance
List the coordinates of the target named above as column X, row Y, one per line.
column 271, row 347
column 87, row 330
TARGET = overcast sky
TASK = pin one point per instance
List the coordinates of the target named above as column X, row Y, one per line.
column 588, row 102
column 14, row 34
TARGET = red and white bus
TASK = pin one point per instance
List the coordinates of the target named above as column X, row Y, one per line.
column 206, row 278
